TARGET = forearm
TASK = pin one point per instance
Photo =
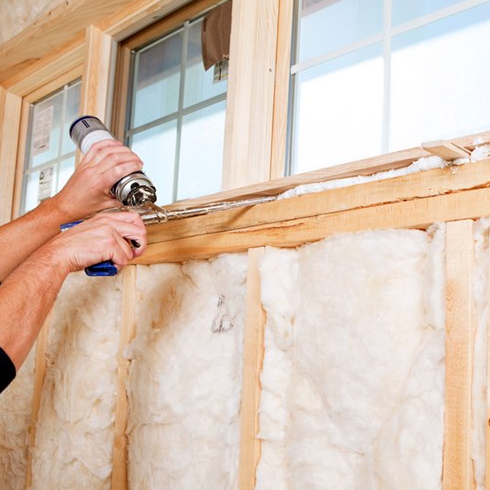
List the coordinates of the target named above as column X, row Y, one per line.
column 26, row 297
column 21, row 237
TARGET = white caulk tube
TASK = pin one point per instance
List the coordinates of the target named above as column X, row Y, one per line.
column 133, row 190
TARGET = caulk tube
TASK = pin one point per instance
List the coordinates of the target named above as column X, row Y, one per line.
column 134, row 189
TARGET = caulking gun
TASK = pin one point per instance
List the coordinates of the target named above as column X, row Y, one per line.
column 135, row 190
column 137, row 193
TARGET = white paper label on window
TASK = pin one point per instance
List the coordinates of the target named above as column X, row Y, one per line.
column 41, row 133
column 221, row 71
column 45, row 183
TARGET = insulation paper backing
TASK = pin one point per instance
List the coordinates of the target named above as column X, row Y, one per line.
column 353, row 377
column 15, row 418
column 185, row 377
column 75, row 427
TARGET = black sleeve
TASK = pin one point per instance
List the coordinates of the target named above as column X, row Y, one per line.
column 7, row 370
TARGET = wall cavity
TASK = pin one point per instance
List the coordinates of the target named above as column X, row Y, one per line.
column 352, row 382
column 75, row 427
column 186, row 375
column 15, row 419
column 353, row 378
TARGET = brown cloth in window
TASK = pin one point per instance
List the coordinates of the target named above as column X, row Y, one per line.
column 216, row 32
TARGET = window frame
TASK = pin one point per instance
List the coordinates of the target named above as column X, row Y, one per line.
column 122, row 86
column 124, row 90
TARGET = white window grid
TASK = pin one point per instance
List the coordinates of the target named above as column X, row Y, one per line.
column 385, row 37
column 55, row 162
column 181, row 111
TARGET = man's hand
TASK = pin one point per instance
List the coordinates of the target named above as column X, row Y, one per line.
column 101, row 238
column 88, row 189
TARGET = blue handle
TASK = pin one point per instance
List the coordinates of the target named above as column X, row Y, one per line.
column 106, row 268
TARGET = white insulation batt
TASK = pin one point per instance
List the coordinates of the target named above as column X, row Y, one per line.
column 75, row 427
column 186, row 375
column 15, row 418
column 353, row 376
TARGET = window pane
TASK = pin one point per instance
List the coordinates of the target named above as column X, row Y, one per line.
column 156, row 147
column 71, row 113
column 339, row 111
column 157, row 80
column 325, row 25
column 201, row 154
column 199, row 84
column 66, row 168
column 403, row 10
column 46, row 126
column 440, row 76
column 34, row 187
column 31, row 194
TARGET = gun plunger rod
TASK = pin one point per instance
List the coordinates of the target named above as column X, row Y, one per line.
column 152, row 214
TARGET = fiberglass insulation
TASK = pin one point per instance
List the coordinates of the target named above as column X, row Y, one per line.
column 353, row 377
column 186, row 375
column 15, row 418
column 75, row 427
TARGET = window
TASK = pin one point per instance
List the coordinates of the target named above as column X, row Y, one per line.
column 376, row 76
column 176, row 113
column 50, row 158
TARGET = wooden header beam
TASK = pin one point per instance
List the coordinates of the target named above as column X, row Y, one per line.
column 413, row 201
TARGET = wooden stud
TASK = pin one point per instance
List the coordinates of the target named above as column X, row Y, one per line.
column 97, row 80
column 249, row 108
column 281, row 92
column 253, row 357
column 487, row 426
column 39, row 376
column 446, row 149
column 408, row 187
column 119, row 479
column 19, row 172
column 458, row 473
column 417, row 213
column 10, row 111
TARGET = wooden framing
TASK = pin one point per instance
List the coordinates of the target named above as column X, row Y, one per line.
column 97, row 73
column 39, row 375
column 281, row 92
column 119, row 478
column 249, row 111
column 253, row 357
column 10, row 108
column 460, row 331
column 77, row 39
